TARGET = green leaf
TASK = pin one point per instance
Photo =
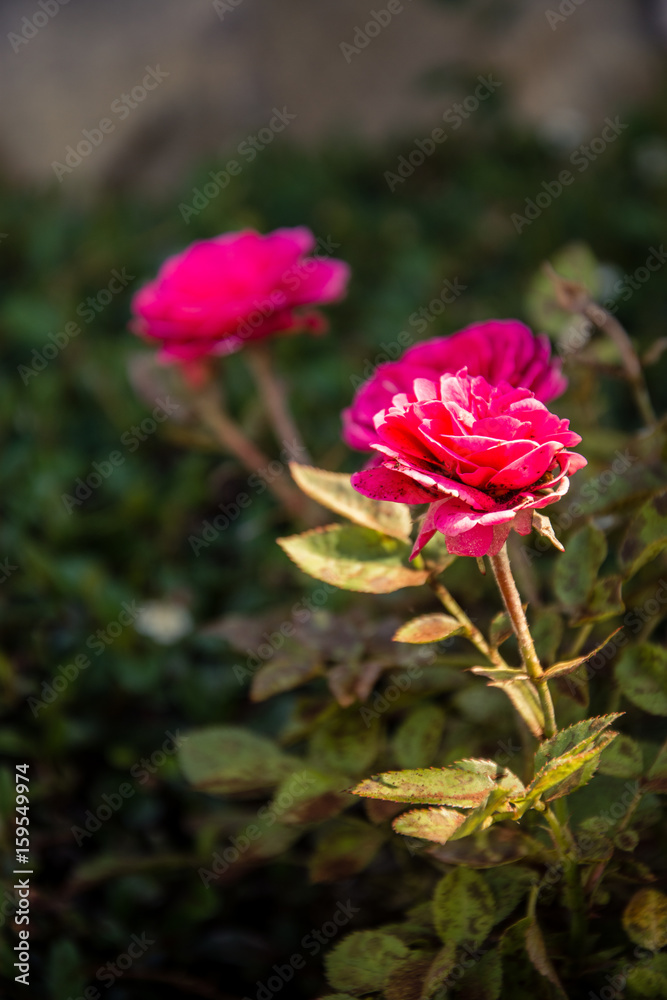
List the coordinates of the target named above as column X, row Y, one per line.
column 526, row 701
column 509, row 884
column 569, row 666
column 440, row 970
column 646, row 535
column 574, row 261
column 343, row 848
column 574, row 739
column 428, row 628
column 645, row 919
column 564, row 775
column 500, row 629
column 418, row 737
column 437, row 825
column 641, row 673
column 648, row 981
column 342, row 742
column 484, row 980
column 285, row 671
column 623, row 759
column 577, row 570
column 497, row 845
column 463, row 907
column 314, row 797
column 503, row 779
column 228, row 760
column 363, row 961
column 405, row 982
column 335, row 491
column 451, row 786
column 605, row 601
column 354, row 558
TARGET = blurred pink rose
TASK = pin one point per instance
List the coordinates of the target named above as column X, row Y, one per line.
column 219, row 294
column 502, row 350
column 483, row 456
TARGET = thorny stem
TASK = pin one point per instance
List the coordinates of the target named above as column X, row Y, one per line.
column 208, row 405
column 512, row 600
column 575, row 299
column 273, row 393
column 472, row 632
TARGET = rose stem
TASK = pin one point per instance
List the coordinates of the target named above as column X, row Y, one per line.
column 472, row 631
column 575, row 299
column 512, row 599
column 272, row 392
column 208, row 404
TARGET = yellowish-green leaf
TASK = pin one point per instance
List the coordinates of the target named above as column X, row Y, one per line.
column 449, row 786
column 418, row 737
column 229, row 760
column 354, row 558
column 436, row 825
column 641, row 673
column 363, row 961
column 334, row 491
column 645, row 919
column 428, row 628
column 463, row 907
column 646, row 535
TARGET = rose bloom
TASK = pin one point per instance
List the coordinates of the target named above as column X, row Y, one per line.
column 484, row 457
column 502, row 350
column 220, row 294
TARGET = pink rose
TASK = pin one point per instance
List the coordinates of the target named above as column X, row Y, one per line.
column 502, row 350
column 219, row 294
column 483, row 456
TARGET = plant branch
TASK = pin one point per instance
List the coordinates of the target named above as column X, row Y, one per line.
column 575, row 299
column 272, row 392
column 208, row 405
column 512, row 600
column 472, row 632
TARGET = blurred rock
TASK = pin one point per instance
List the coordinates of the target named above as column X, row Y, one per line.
column 231, row 62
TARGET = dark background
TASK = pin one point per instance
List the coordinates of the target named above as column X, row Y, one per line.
column 69, row 572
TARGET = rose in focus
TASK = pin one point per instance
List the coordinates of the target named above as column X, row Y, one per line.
column 221, row 293
column 483, row 456
column 500, row 350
